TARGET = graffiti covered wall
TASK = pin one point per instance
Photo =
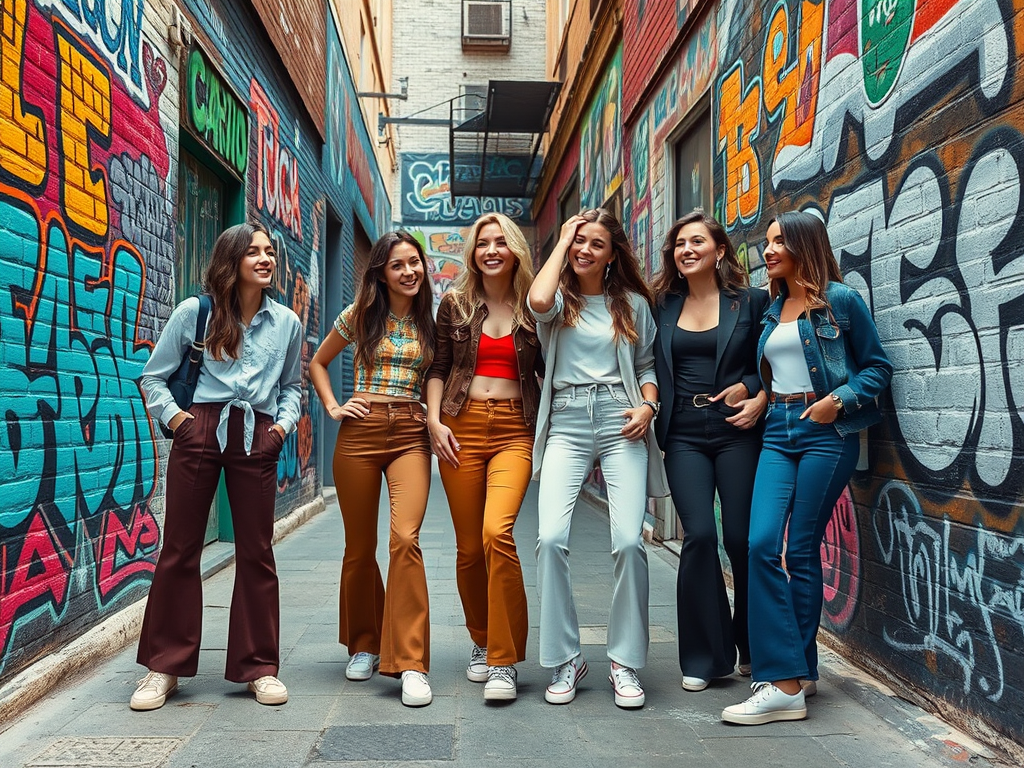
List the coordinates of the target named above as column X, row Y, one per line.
column 601, row 139
column 87, row 268
column 900, row 123
column 426, row 198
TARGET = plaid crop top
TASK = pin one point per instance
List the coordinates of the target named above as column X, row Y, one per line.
column 398, row 360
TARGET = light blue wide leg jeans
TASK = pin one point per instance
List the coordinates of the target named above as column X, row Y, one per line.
column 586, row 424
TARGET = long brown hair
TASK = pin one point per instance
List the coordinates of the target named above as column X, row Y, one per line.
column 224, row 332
column 730, row 275
column 806, row 239
column 372, row 304
column 622, row 279
column 468, row 288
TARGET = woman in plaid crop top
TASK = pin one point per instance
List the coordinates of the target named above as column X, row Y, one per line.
column 383, row 429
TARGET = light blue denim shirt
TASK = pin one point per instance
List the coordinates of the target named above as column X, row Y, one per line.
column 843, row 353
column 266, row 377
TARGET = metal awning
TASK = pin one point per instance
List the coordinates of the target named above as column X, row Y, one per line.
column 493, row 152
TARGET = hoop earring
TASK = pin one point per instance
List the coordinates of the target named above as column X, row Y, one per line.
column 717, row 262
column 680, row 275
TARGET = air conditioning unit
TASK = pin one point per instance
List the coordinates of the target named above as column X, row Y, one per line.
column 486, row 20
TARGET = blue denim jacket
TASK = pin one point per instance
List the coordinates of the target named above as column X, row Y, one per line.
column 844, row 357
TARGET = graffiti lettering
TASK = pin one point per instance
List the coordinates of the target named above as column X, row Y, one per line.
column 115, row 27
column 963, row 600
column 23, row 139
column 84, row 100
column 840, row 563
column 738, row 126
column 426, row 198
column 945, row 34
column 277, row 175
column 933, row 324
column 146, row 215
column 217, row 115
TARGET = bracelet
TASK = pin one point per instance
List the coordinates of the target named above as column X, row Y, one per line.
column 656, row 407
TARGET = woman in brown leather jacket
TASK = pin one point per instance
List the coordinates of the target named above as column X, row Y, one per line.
column 482, row 396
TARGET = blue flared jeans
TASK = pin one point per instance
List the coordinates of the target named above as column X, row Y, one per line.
column 803, row 469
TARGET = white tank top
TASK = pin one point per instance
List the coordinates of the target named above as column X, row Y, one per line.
column 784, row 351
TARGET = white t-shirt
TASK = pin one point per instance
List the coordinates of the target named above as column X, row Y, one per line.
column 586, row 351
column 784, row 351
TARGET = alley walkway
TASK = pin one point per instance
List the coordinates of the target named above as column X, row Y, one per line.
column 210, row 722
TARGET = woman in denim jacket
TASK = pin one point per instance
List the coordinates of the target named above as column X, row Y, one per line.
column 821, row 360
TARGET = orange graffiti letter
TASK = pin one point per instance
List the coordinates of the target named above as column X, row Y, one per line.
column 793, row 85
column 84, row 109
column 739, row 116
column 22, row 141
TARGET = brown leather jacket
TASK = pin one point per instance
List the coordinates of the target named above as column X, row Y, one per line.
column 455, row 359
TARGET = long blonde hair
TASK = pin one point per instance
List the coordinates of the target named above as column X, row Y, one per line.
column 467, row 290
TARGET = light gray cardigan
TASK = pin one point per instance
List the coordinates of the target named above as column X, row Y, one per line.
column 636, row 365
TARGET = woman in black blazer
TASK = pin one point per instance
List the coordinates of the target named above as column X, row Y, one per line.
column 709, row 321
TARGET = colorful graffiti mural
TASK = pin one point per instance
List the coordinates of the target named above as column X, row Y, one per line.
column 85, row 257
column 426, row 197
column 277, row 170
column 678, row 90
column 601, row 139
column 899, row 123
column 444, row 248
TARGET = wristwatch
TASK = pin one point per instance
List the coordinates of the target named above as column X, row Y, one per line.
column 656, row 407
column 837, row 401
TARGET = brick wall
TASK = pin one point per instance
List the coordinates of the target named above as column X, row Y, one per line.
column 89, row 149
column 916, row 167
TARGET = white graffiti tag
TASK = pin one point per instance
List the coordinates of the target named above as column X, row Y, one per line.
column 943, row 320
column 964, row 602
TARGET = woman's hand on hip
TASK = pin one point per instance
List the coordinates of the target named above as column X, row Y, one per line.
column 443, row 443
column 748, row 411
column 355, row 408
column 637, row 422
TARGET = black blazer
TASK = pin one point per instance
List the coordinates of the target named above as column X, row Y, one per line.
column 739, row 328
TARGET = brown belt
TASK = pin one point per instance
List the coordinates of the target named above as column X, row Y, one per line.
column 796, row 397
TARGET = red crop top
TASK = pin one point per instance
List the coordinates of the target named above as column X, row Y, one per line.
column 497, row 358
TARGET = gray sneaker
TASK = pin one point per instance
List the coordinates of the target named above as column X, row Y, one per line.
column 361, row 666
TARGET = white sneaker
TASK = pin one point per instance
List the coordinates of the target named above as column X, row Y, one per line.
column 415, row 689
column 694, row 683
column 269, row 690
column 562, row 688
column 809, row 687
column 501, row 684
column 153, row 691
column 477, row 669
column 767, row 705
column 361, row 666
column 629, row 694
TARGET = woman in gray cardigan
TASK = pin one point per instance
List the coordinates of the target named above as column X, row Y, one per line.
column 598, row 399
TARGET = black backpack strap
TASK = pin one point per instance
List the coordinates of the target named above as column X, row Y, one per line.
column 195, row 353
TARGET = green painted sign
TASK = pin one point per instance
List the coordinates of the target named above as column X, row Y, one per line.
column 216, row 116
column 884, row 38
